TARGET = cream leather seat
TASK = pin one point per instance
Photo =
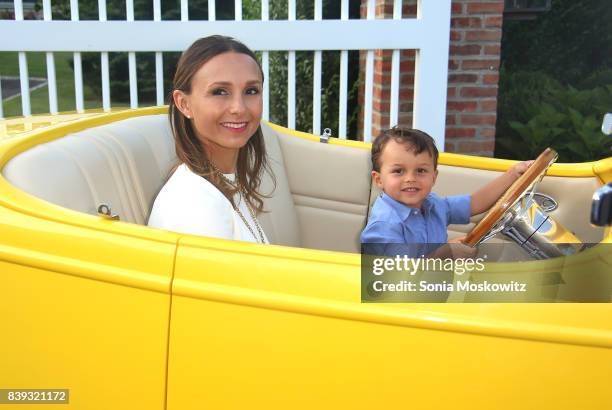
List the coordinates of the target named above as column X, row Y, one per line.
column 124, row 164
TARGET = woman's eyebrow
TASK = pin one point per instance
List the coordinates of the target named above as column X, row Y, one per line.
column 229, row 83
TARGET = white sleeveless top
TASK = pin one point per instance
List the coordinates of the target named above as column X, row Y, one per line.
column 188, row 203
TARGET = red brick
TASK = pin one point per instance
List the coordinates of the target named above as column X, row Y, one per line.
column 453, row 64
column 407, row 54
column 461, row 106
column 493, row 21
column 409, row 10
column 382, row 94
column 472, row 22
column 485, row 8
column 382, row 65
column 464, row 50
column 451, row 91
column 479, row 64
column 407, row 94
column 406, row 107
column 405, row 120
column 490, row 79
column 451, row 119
column 456, row 35
column 382, row 78
column 470, row 119
column 492, row 50
column 483, row 35
column 460, row 132
column 457, row 8
column 487, row 132
column 449, row 146
column 463, row 78
column 475, row 146
column 407, row 65
column 488, row 105
column 407, row 80
column 479, row 91
column 380, row 119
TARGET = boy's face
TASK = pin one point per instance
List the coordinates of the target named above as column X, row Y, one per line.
column 405, row 176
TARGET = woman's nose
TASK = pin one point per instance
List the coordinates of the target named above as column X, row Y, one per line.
column 237, row 105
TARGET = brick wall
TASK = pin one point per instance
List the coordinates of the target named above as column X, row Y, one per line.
column 473, row 74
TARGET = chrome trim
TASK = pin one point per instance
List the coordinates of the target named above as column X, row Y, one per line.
column 105, row 211
column 545, row 202
column 324, row 138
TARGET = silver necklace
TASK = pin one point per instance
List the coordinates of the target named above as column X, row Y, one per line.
column 262, row 238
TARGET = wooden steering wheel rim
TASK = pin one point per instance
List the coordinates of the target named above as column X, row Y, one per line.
column 511, row 196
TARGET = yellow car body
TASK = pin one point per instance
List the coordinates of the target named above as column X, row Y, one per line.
column 128, row 317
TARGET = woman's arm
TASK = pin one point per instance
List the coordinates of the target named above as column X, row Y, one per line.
column 485, row 197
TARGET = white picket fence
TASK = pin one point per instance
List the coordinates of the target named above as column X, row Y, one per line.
column 428, row 34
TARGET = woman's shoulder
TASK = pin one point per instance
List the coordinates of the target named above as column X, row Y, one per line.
column 184, row 188
column 189, row 203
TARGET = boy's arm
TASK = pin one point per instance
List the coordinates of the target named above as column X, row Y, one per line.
column 485, row 197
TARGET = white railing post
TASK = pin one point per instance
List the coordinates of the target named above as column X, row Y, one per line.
column 291, row 74
column 1, row 105
column 344, row 15
column 316, row 81
column 238, row 10
column 133, row 75
column 159, row 61
column 265, row 65
column 212, row 10
column 78, row 66
column 50, row 60
column 184, row 10
column 104, row 63
column 431, row 70
column 24, row 78
column 395, row 73
column 369, row 82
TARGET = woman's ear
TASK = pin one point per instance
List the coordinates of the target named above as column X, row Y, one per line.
column 181, row 100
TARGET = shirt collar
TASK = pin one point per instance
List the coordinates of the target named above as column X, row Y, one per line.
column 405, row 211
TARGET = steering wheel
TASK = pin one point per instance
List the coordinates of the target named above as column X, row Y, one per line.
column 499, row 215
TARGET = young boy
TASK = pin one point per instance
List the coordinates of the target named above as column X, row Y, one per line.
column 404, row 163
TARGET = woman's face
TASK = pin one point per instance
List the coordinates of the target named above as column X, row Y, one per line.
column 225, row 102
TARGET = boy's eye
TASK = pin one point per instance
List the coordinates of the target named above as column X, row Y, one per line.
column 422, row 171
column 252, row 91
column 219, row 91
column 397, row 171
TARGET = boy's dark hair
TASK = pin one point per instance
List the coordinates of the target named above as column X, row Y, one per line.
column 415, row 140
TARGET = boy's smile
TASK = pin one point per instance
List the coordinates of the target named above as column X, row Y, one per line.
column 404, row 175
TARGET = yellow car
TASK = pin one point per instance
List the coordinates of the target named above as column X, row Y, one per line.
column 125, row 316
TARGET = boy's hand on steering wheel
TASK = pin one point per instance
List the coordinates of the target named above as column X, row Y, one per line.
column 520, row 168
column 459, row 250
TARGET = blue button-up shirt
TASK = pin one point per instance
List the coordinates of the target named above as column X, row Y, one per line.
column 392, row 222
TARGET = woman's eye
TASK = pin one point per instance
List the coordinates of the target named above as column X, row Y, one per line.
column 219, row 91
column 252, row 91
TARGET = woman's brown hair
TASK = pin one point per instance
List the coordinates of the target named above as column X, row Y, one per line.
column 252, row 158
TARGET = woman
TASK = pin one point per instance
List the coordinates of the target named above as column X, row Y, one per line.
column 215, row 111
